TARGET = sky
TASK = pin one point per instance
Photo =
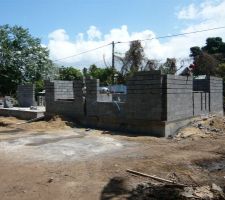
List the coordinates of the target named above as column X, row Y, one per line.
column 69, row 27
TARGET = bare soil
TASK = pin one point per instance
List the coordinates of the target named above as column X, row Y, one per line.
column 55, row 160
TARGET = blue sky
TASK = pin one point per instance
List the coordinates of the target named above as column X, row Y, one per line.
column 44, row 16
column 59, row 23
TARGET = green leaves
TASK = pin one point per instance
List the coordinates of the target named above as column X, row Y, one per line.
column 69, row 73
column 210, row 58
column 134, row 57
column 105, row 75
column 22, row 59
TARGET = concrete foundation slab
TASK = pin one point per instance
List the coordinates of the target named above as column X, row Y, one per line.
column 22, row 113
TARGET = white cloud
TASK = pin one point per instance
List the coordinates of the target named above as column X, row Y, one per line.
column 60, row 46
column 189, row 12
column 205, row 11
column 93, row 33
column 59, row 35
column 209, row 15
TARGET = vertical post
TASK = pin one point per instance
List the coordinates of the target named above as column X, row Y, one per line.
column 113, row 61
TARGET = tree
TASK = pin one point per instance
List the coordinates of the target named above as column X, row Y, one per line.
column 213, row 45
column 208, row 58
column 22, row 59
column 195, row 51
column 134, row 57
column 85, row 71
column 105, row 75
column 151, row 64
column 206, row 64
column 69, row 73
column 169, row 67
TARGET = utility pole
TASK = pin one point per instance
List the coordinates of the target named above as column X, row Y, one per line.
column 113, row 61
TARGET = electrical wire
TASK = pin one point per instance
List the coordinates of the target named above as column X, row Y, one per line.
column 82, row 52
column 176, row 35
column 121, row 42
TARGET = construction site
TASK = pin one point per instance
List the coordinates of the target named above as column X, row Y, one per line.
column 112, row 100
column 162, row 139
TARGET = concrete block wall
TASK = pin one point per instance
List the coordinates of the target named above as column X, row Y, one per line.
column 92, row 91
column 97, row 104
column 78, row 89
column 144, row 96
column 201, row 85
column 49, row 93
column 63, row 90
column 26, row 95
column 121, row 97
column 105, row 97
column 200, row 103
column 177, row 97
column 214, row 100
column 216, row 94
column 155, row 104
column 73, row 108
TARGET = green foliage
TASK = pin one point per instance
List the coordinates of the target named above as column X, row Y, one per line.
column 69, row 73
column 105, row 75
column 169, row 67
column 195, row 51
column 221, row 69
column 214, row 45
column 22, row 59
column 134, row 57
column 85, row 71
column 206, row 64
column 39, row 86
column 209, row 59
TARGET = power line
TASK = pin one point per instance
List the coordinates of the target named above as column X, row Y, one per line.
column 82, row 52
column 120, row 42
column 176, row 35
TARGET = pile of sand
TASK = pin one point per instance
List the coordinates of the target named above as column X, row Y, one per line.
column 53, row 123
column 209, row 126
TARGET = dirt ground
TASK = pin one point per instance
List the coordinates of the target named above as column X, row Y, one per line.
column 55, row 159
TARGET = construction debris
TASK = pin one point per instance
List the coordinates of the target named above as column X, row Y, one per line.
column 168, row 189
column 155, row 177
column 203, row 127
column 161, row 191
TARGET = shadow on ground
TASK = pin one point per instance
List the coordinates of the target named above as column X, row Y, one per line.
column 117, row 189
column 128, row 134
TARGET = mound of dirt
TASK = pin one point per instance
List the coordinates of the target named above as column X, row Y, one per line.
column 208, row 126
column 7, row 121
column 53, row 123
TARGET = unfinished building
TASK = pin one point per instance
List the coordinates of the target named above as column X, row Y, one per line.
column 155, row 104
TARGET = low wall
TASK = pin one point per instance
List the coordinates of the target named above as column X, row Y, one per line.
column 63, row 90
column 121, row 97
column 144, row 96
column 216, row 95
column 200, row 103
column 214, row 87
column 177, row 95
column 57, row 103
column 155, row 104
column 26, row 95
column 21, row 113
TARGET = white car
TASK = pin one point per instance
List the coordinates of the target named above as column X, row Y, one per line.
column 104, row 90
